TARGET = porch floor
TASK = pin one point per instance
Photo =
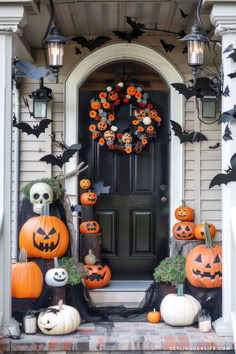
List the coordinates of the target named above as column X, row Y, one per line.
column 123, row 337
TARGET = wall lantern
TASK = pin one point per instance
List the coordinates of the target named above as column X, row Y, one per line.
column 208, row 106
column 41, row 97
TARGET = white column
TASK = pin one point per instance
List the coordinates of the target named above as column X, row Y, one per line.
column 223, row 17
column 10, row 17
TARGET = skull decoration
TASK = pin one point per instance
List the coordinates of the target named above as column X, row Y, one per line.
column 127, row 138
column 40, row 194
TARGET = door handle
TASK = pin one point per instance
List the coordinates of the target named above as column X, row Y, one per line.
column 163, row 188
column 163, row 200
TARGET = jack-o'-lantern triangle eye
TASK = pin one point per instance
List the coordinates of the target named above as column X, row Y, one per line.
column 187, row 228
column 41, row 232
column 217, row 259
column 179, row 228
column 199, row 259
column 53, row 231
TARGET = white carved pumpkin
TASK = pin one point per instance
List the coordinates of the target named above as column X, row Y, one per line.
column 179, row 310
column 57, row 276
column 65, row 321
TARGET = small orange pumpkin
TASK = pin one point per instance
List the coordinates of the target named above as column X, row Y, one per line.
column 184, row 230
column 154, row 317
column 98, row 276
column 184, row 213
column 140, row 113
column 150, row 129
column 199, row 231
column 89, row 227
column 88, row 198
column 102, row 126
column 96, row 105
column 152, row 114
column 85, row 183
column 113, row 95
column 131, row 90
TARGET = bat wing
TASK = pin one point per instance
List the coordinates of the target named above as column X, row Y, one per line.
column 166, row 46
column 183, row 90
column 67, row 154
column 233, row 55
column 182, row 13
column 232, row 75
column 53, row 160
column 222, row 178
column 136, row 33
column 194, row 137
column 233, row 163
column 227, row 134
column 44, row 123
column 228, row 49
column 226, row 91
column 225, row 117
column 81, row 40
column 205, row 84
column 134, row 24
column 176, row 127
column 121, row 35
column 77, row 51
column 25, row 127
column 99, row 188
column 98, row 41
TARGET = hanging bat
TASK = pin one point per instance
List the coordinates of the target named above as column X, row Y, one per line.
column 227, row 134
column 99, row 188
column 225, row 178
column 216, row 146
column 227, row 116
column 185, row 136
column 182, row 34
column 59, row 160
column 182, row 13
column 188, row 92
column 202, row 87
column 232, row 75
column 36, row 130
column 91, row 44
column 228, row 49
column 233, row 55
column 185, row 50
column 77, row 51
column 226, row 91
column 129, row 36
column 134, row 24
column 26, row 69
column 166, row 46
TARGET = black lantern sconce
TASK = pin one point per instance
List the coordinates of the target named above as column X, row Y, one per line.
column 41, row 97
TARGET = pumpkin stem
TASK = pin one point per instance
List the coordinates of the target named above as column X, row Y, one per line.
column 208, row 239
column 60, row 303
column 56, row 264
column 182, row 203
column 45, row 210
column 180, row 290
column 23, row 255
column 154, row 310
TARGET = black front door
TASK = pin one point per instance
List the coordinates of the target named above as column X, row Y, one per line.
column 134, row 217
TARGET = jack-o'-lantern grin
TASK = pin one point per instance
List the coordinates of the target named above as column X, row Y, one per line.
column 91, row 227
column 92, row 199
column 49, row 245
column 212, row 274
column 207, row 274
column 96, row 276
column 57, row 277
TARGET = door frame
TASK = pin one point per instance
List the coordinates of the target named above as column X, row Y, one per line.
column 158, row 62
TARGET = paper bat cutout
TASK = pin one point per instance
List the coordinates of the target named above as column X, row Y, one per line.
column 182, row 13
column 26, row 69
column 232, row 75
column 227, row 116
column 59, row 160
column 36, row 130
column 185, row 136
column 204, row 86
column 76, row 208
column 166, row 46
column 134, row 24
column 225, row 178
column 185, row 50
column 227, row 134
column 233, row 55
column 226, row 91
column 91, row 44
column 228, row 49
column 129, row 36
column 99, row 188
column 216, row 146
column 77, row 51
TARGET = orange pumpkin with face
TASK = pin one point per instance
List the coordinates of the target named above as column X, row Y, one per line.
column 113, row 95
column 96, row 105
column 152, row 114
column 85, row 183
column 199, row 231
column 184, row 230
column 131, row 90
column 44, row 237
column 98, row 276
column 102, row 126
column 184, row 213
column 88, row 198
column 89, row 227
column 140, row 114
column 150, row 129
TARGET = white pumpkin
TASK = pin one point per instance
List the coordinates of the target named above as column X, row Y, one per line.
column 180, row 309
column 65, row 321
column 57, row 276
column 147, row 120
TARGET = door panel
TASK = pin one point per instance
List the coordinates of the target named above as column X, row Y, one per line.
column 133, row 221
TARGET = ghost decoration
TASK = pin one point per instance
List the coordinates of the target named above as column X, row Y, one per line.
column 40, row 195
column 56, row 277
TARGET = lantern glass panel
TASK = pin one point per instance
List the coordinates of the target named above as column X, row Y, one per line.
column 40, row 109
column 55, row 54
column 195, row 52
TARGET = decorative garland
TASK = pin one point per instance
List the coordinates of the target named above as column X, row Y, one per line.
column 58, row 191
column 142, row 129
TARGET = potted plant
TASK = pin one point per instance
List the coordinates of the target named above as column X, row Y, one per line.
column 75, row 269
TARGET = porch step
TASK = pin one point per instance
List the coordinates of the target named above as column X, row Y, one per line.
column 127, row 293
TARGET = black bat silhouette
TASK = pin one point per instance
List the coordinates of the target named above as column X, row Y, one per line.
column 185, row 50
column 77, row 51
column 225, row 178
column 226, row 91
column 182, row 13
column 216, row 146
column 204, row 86
column 185, row 136
column 233, row 55
column 232, row 75
column 91, row 44
column 228, row 49
column 227, row 116
column 227, row 134
column 166, row 46
column 129, row 36
column 134, row 24
column 59, row 160
column 36, row 130
column 182, row 34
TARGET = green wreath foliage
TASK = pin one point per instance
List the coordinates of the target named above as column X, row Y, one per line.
column 58, row 191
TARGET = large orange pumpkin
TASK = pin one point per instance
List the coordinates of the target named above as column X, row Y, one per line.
column 184, row 230
column 204, row 264
column 27, row 278
column 44, row 237
column 88, row 198
column 184, row 213
column 98, row 276
column 89, row 227
column 199, row 231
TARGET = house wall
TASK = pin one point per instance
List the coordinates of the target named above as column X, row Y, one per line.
column 201, row 163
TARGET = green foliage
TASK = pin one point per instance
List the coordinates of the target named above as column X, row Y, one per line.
column 58, row 191
column 76, row 270
column 171, row 270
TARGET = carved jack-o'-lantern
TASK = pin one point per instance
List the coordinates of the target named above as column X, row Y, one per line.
column 85, row 183
column 96, row 105
column 88, row 198
column 89, row 227
column 57, row 277
column 152, row 114
column 184, row 213
column 113, row 95
column 102, row 126
column 98, row 276
column 199, row 231
column 140, row 114
column 204, row 264
column 150, row 129
column 183, row 230
column 127, row 138
column 44, row 237
column 131, row 90
column 109, row 135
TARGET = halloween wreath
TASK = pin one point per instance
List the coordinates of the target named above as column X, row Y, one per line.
column 143, row 125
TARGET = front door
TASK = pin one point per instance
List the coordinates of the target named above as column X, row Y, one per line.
column 134, row 216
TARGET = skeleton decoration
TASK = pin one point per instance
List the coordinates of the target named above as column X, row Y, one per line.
column 40, row 194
